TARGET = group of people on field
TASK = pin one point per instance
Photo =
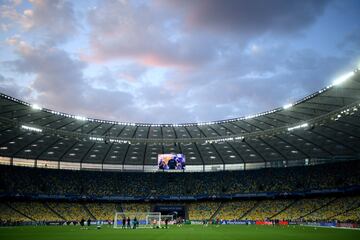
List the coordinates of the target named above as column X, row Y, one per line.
column 126, row 223
column 82, row 222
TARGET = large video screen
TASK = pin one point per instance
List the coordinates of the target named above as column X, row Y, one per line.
column 171, row 161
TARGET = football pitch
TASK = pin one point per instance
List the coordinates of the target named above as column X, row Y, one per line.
column 196, row 232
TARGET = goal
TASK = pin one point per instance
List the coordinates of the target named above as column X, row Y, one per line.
column 170, row 219
column 144, row 219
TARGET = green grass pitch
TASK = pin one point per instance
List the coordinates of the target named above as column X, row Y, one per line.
column 187, row 232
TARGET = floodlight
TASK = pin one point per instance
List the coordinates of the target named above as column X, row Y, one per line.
column 36, row 107
column 34, row 129
column 304, row 125
column 80, row 118
column 343, row 78
column 289, row 105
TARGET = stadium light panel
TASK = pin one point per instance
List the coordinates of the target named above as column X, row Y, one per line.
column 304, row 125
column 343, row 78
column 96, row 139
column 287, row 106
column 34, row 129
column 36, row 107
column 80, row 118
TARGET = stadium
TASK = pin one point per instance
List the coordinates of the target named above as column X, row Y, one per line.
column 292, row 172
column 297, row 164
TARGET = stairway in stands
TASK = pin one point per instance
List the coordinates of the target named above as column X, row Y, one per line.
column 53, row 211
column 355, row 206
column 18, row 211
column 287, row 207
column 88, row 211
column 213, row 216
column 250, row 210
column 316, row 209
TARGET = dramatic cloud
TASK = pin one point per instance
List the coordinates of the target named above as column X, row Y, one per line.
column 173, row 61
column 250, row 17
column 59, row 83
column 123, row 30
column 177, row 34
column 12, row 88
column 54, row 20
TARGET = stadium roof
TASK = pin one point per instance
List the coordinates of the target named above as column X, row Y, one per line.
column 321, row 127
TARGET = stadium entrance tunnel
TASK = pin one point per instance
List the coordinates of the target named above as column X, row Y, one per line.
column 177, row 211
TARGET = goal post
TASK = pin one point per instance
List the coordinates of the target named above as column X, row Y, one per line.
column 144, row 219
column 170, row 219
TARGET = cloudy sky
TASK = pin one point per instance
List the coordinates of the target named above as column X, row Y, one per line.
column 167, row 61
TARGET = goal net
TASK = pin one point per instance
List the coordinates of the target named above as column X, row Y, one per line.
column 169, row 218
column 137, row 219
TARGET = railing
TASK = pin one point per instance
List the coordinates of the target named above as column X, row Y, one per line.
column 235, row 196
